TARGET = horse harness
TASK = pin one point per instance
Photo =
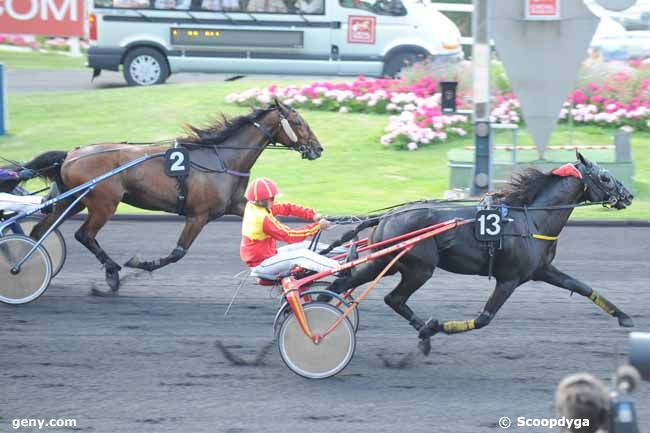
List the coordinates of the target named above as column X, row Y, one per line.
column 181, row 178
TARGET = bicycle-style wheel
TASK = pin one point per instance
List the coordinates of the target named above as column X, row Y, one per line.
column 325, row 359
column 54, row 244
column 34, row 275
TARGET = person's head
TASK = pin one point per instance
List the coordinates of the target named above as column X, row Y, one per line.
column 262, row 192
column 582, row 396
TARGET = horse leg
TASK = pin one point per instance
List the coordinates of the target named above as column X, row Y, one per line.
column 412, row 280
column 39, row 229
column 360, row 275
column 499, row 296
column 86, row 235
column 193, row 226
column 550, row 274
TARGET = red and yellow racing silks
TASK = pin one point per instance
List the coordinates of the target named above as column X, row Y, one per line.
column 261, row 229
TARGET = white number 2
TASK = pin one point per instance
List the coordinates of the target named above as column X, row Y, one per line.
column 490, row 224
column 178, row 161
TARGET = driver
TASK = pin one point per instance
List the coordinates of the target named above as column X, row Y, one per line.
column 261, row 230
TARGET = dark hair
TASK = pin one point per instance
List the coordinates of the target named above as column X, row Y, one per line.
column 524, row 187
column 221, row 129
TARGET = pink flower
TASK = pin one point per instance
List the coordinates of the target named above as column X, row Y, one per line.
column 18, row 40
column 579, row 97
column 597, row 99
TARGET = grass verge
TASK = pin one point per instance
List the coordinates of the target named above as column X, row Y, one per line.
column 355, row 175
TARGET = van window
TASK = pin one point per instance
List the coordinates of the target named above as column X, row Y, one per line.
column 131, row 4
column 220, row 5
column 172, row 4
column 306, row 7
column 378, row 7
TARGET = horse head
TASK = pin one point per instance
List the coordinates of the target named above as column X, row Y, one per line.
column 601, row 185
column 296, row 134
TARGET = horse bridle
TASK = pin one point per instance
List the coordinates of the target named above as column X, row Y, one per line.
column 270, row 135
column 588, row 172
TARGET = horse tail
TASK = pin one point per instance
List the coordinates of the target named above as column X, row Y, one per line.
column 47, row 165
column 352, row 234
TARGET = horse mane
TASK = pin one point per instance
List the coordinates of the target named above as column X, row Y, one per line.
column 220, row 129
column 524, row 187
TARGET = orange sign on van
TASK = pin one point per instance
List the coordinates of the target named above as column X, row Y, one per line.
column 361, row 30
column 542, row 9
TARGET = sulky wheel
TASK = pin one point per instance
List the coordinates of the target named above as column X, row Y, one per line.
column 313, row 294
column 325, row 359
column 337, row 301
column 34, row 275
column 320, row 287
column 54, row 244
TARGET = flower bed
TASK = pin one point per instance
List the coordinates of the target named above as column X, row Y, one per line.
column 40, row 42
column 19, row 41
column 613, row 95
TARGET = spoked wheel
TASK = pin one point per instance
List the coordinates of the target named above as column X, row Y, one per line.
column 34, row 276
column 54, row 244
column 325, row 359
column 312, row 295
column 319, row 287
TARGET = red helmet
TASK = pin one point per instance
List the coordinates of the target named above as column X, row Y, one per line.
column 261, row 189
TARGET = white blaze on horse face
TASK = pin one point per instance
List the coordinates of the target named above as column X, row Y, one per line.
column 288, row 130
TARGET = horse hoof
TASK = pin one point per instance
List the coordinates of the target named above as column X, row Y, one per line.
column 100, row 293
column 425, row 346
column 113, row 280
column 430, row 328
column 625, row 321
column 133, row 262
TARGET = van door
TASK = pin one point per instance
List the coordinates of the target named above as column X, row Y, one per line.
column 262, row 36
column 359, row 42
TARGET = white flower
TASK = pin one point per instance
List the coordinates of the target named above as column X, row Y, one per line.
column 412, row 146
column 344, row 109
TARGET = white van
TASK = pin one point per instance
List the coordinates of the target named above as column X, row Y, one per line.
column 155, row 38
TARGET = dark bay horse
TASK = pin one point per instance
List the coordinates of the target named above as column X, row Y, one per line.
column 222, row 156
column 523, row 258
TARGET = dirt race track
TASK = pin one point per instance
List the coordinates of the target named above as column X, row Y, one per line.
column 146, row 360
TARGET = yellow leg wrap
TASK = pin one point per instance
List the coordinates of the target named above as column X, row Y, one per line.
column 603, row 303
column 455, row 327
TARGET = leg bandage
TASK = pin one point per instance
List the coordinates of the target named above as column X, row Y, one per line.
column 603, row 303
column 456, row 327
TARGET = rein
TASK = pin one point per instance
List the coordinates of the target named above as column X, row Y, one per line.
column 355, row 219
column 270, row 144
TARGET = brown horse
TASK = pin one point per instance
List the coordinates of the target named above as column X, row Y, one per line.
column 222, row 156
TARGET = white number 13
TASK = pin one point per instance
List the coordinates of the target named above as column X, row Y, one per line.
column 490, row 224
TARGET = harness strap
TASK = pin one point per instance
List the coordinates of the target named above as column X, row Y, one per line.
column 181, row 201
column 265, row 132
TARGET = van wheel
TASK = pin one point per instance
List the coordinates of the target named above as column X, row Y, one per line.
column 145, row 67
column 398, row 61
